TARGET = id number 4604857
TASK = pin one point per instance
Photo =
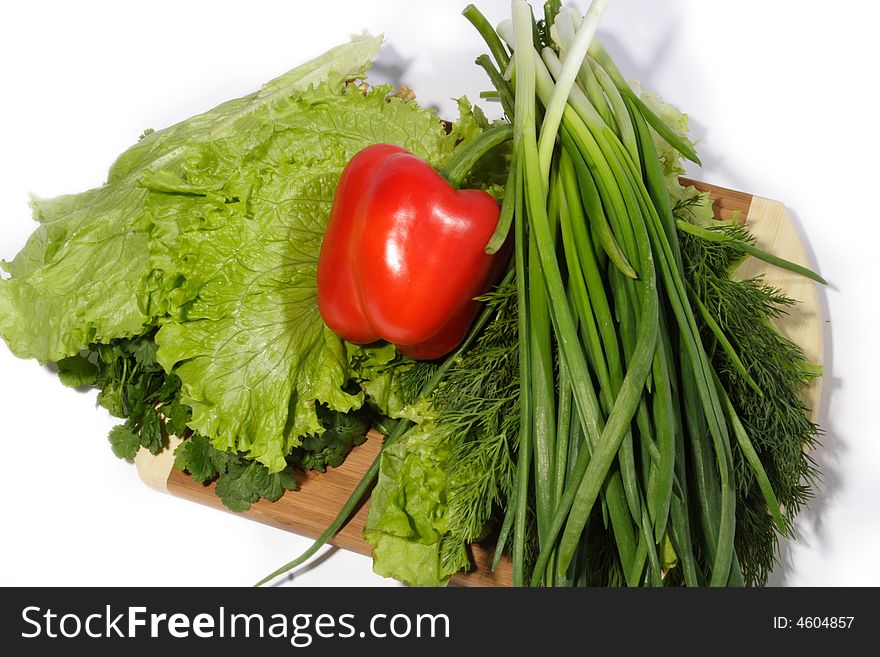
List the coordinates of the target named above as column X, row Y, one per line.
column 813, row 622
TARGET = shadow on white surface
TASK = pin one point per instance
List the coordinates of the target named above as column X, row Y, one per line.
column 389, row 67
column 289, row 579
column 714, row 163
column 830, row 451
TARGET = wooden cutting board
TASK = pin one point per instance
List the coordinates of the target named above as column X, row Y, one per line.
column 311, row 508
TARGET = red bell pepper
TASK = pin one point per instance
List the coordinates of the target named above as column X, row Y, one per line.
column 404, row 254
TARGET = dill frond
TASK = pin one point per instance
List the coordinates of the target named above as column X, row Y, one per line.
column 478, row 404
column 776, row 421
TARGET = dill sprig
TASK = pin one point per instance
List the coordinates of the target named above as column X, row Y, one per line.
column 477, row 404
column 775, row 419
column 684, row 208
column 412, row 377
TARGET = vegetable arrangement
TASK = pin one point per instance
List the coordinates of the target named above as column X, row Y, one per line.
column 545, row 324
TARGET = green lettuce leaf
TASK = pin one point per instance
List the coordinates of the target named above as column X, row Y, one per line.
column 384, row 376
column 407, row 520
column 694, row 204
column 85, row 274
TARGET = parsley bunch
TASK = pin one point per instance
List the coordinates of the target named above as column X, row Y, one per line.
column 134, row 387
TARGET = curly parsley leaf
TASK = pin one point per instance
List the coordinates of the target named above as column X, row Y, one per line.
column 342, row 432
column 198, row 457
column 240, row 483
column 124, row 442
column 245, row 483
column 151, row 432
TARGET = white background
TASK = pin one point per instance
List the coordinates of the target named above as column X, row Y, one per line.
column 781, row 94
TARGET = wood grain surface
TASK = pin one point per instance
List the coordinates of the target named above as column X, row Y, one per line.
column 311, row 508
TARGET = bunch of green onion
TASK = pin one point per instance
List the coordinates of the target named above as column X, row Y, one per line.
column 633, row 422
